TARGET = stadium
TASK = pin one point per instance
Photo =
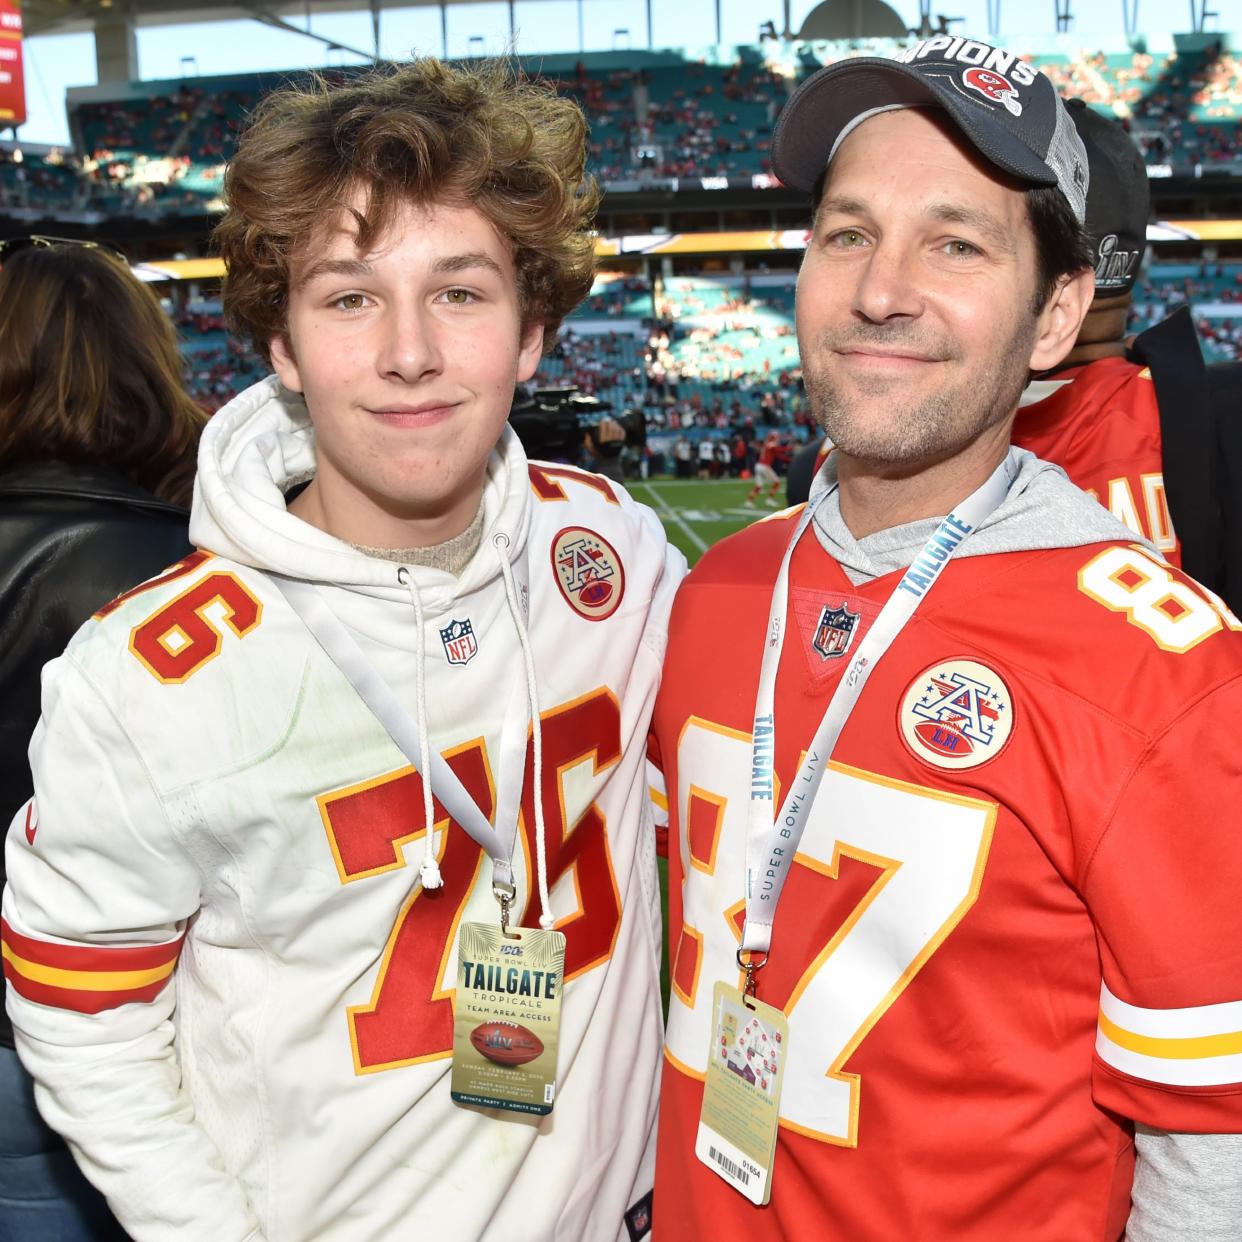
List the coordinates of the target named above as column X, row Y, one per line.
column 690, row 321
column 989, row 754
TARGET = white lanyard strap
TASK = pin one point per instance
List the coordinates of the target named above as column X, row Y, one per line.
column 342, row 649
column 771, row 841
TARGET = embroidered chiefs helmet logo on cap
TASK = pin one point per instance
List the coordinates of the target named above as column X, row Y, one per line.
column 994, row 86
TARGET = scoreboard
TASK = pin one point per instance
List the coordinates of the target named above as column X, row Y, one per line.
column 12, row 81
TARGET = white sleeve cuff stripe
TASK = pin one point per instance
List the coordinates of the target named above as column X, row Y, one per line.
column 1173, row 1072
column 1202, row 1020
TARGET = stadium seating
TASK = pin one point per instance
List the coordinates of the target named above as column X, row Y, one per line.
column 693, row 341
column 701, row 113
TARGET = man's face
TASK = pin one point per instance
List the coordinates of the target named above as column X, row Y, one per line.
column 407, row 356
column 914, row 305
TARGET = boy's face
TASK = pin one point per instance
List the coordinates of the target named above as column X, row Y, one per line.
column 407, row 356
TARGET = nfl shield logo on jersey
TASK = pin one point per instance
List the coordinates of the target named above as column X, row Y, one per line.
column 460, row 644
column 957, row 714
column 834, row 631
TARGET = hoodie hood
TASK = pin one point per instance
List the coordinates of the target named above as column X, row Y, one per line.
column 1042, row 510
column 262, row 444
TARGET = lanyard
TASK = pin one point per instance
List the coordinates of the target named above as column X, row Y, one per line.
column 772, row 841
column 342, row 649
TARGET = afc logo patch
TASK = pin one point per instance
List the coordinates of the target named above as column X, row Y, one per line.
column 460, row 644
column 994, row 87
column 834, row 631
column 588, row 572
column 956, row 714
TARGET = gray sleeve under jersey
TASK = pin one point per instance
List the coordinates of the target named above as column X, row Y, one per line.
column 1187, row 1188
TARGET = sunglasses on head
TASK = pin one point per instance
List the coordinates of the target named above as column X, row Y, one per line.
column 37, row 241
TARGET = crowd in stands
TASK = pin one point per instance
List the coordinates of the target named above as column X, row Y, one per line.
column 167, row 150
column 710, row 358
column 717, row 361
column 1213, row 291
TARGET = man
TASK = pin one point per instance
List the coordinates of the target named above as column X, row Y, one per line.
column 1130, row 422
column 234, row 910
column 765, row 473
column 1096, row 414
column 970, row 742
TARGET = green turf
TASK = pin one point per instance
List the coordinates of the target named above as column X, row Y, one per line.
column 698, row 512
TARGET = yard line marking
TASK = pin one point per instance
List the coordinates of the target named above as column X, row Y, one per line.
column 673, row 515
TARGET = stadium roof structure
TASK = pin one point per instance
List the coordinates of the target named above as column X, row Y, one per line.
column 59, row 16
column 55, row 16
column 846, row 18
column 113, row 22
column 41, row 17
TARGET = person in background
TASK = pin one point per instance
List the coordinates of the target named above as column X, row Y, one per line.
column 765, row 473
column 1097, row 414
column 97, row 445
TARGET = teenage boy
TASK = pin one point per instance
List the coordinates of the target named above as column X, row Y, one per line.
column 955, row 788
column 235, row 909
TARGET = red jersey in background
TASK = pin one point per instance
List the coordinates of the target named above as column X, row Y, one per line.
column 1100, row 423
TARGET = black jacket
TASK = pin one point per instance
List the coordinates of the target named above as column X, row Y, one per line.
column 71, row 539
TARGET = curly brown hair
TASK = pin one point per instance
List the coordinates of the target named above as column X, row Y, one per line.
column 90, row 371
column 424, row 132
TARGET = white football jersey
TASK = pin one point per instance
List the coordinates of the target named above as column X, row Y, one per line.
column 233, row 993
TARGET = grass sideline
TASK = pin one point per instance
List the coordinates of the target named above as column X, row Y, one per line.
column 696, row 514
column 700, row 512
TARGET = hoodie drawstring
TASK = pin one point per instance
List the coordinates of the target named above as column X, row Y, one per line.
column 500, row 541
column 429, row 871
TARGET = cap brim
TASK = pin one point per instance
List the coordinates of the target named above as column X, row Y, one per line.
column 829, row 100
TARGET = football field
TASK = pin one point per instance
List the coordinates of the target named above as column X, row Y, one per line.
column 698, row 512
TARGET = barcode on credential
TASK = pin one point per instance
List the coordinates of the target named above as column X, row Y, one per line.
column 733, row 1169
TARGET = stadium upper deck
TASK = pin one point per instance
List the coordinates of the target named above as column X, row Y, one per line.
column 697, row 119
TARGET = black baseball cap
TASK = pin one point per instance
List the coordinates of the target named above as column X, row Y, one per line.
column 1006, row 109
column 1119, row 200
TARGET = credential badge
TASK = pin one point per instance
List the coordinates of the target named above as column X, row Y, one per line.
column 834, row 631
column 460, row 644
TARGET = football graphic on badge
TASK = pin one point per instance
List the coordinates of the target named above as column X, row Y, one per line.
column 588, row 572
column 956, row 714
column 506, row 1043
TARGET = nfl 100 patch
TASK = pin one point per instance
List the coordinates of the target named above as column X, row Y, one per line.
column 956, row 714
column 460, row 644
column 834, row 632
column 588, row 572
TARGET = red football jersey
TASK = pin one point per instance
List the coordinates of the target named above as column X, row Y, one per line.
column 1012, row 922
column 1102, row 427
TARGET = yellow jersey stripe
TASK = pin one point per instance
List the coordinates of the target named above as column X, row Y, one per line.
column 87, row 980
column 1189, row 1048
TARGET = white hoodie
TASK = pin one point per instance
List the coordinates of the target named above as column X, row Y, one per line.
column 203, row 771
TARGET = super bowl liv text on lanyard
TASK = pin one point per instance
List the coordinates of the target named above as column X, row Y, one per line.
column 507, row 1010
column 750, row 1039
